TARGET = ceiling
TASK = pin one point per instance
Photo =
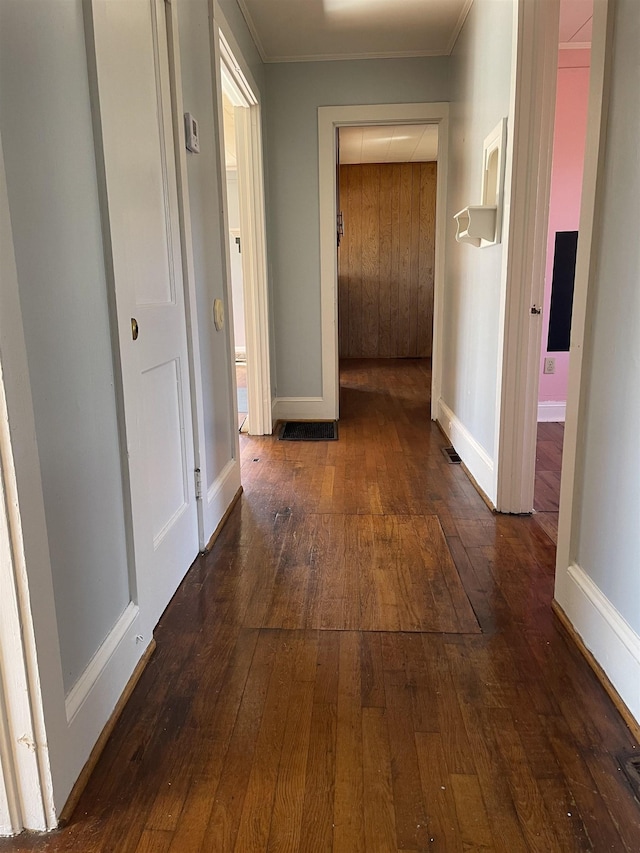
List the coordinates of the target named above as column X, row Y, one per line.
column 407, row 143
column 305, row 30
column 308, row 30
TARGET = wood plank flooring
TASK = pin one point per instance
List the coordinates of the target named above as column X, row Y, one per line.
column 547, row 484
column 271, row 719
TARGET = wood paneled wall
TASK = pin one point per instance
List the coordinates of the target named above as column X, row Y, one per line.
column 386, row 260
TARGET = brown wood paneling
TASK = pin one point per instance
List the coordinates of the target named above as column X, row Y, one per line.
column 426, row 257
column 384, row 263
column 386, row 260
column 353, row 252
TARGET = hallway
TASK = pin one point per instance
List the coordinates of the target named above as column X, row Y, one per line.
column 366, row 661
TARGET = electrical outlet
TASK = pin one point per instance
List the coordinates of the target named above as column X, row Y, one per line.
column 549, row 365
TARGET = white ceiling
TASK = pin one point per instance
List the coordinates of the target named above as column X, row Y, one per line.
column 307, row 30
column 304, row 30
column 407, row 143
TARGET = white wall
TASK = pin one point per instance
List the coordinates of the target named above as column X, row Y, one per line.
column 294, row 93
column 597, row 577
column 45, row 121
column 481, row 82
column 608, row 542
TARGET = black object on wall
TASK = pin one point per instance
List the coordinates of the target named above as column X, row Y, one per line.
column 564, row 273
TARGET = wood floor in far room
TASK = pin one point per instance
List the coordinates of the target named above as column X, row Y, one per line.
column 546, row 500
column 366, row 662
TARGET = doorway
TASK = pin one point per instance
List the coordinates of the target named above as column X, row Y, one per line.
column 246, row 256
column 330, row 120
column 387, row 178
column 570, row 132
column 235, row 257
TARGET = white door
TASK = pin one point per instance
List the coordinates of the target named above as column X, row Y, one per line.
column 132, row 75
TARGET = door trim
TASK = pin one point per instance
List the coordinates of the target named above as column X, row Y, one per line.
column 188, row 264
column 249, row 151
column 254, row 269
column 26, row 787
column 586, row 271
column 330, row 118
column 532, row 107
column 29, row 666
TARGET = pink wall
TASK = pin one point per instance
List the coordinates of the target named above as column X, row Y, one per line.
column 566, row 186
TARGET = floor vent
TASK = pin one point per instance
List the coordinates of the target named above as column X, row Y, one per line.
column 309, row 431
column 451, row 456
column 629, row 762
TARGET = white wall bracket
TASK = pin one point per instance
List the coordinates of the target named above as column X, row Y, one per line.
column 480, row 225
column 475, row 224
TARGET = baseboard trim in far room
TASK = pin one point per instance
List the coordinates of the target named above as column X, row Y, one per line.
column 301, row 409
column 96, row 752
column 551, row 412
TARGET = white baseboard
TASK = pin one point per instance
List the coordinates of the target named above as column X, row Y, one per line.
column 220, row 494
column 472, row 453
column 94, row 696
column 550, row 411
column 99, row 662
column 302, row 409
column 605, row 633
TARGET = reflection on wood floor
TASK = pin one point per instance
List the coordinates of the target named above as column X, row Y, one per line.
column 366, row 661
column 548, row 466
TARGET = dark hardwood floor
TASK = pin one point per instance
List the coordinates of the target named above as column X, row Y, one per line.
column 547, row 486
column 366, row 661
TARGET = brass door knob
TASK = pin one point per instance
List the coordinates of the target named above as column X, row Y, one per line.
column 134, row 329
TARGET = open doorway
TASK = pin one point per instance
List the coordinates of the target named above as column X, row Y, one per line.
column 330, row 120
column 387, row 180
column 569, row 139
column 247, row 264
column 235, row 257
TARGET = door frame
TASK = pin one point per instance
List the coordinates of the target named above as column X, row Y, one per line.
column 188, row 268
column 329, row 120
column 532, row 111
column 586, row 270
column 250, row 166
column 533, row 108
column 29, row 662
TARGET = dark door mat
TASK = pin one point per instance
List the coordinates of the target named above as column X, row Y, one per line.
column 310, row 431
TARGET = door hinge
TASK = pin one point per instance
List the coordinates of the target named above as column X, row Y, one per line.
column 535, row 309
column 198, row 482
